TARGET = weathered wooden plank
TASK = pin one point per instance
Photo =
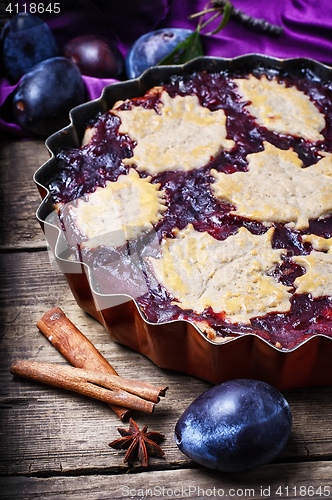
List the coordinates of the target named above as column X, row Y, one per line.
column 46, row 430
column 291, row 481
column 19, row 197
column 49, row 432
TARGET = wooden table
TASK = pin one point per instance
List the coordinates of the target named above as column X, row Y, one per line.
column 54, row 444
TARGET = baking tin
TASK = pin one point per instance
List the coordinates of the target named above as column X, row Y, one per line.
column 179, row 345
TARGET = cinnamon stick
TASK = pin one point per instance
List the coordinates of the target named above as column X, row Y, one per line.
column 77, row 380
column 144, row 390
column 76, row 348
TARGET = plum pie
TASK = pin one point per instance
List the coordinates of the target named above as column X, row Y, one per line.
column 209, row 199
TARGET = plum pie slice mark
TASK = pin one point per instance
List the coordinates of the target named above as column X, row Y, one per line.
column 318, row 242
column 281, row 109
column 276, row 188
column 232, row 276
column 317, row 280
column 183, row 136
column 121, row 211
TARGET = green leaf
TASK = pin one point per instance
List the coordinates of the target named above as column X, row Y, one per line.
column 228, row 9
column 185, row 51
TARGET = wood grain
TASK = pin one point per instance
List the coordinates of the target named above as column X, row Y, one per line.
column 290, row 480
column 19, row 197
column 50, row 429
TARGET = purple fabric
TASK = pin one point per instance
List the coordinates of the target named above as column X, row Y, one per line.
column 307, row 30
column 94, row 86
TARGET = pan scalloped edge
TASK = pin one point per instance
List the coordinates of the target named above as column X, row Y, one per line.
column 179, row 345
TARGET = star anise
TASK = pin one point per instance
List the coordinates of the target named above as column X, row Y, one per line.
column 138, row 443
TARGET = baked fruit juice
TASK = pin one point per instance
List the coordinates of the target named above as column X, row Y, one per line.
column 231, row 175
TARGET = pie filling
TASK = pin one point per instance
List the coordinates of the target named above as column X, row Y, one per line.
column 210, row 199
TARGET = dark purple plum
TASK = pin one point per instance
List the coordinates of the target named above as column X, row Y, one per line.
column 43, row 98
column 235, row 426
column 151, row 48
column 96, row 56
column 25, row 41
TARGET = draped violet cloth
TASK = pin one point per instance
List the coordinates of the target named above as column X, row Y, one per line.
column 307, row 31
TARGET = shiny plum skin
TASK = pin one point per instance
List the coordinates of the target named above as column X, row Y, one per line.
column 96, row 56
column 151, row 48
column 25, row 41
column 44, row 96
column 235, row 426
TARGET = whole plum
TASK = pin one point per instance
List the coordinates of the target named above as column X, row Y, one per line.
column 25, row 41
column 235, row 426
column 151, row 48
column 95, row 56
column 43, row 98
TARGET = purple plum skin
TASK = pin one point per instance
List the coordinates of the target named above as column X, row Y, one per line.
column 42, row 100
column 151, row 48
column 96, row 56
column 235, row 426
column 25, row 41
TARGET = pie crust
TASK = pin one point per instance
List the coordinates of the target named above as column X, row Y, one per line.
column 233, row 175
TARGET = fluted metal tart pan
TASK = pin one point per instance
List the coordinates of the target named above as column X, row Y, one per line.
column 179, row 345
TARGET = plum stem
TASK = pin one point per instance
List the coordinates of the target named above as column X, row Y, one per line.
column 226, row 10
